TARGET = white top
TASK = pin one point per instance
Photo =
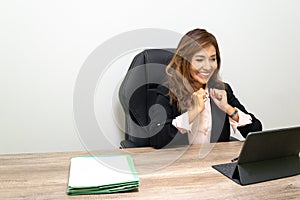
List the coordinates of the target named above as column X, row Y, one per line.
column 199, row 131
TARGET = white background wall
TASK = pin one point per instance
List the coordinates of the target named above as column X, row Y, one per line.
column 43, row 45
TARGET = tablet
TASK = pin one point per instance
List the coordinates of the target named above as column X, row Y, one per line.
column 265, row 155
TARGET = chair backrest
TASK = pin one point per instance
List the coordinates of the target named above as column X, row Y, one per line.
column 137, row 93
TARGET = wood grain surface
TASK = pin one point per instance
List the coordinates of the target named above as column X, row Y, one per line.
column 174, row 173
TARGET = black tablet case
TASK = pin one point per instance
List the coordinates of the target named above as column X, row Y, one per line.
column 265, row 155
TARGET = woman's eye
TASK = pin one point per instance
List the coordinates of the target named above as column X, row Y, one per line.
column 199, row 60
column 213, row 59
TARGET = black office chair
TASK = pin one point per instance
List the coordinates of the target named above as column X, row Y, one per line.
column 137, row 93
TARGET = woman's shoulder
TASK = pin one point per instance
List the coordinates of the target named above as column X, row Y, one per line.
column 164, row 90
column 227, row 87
column 219, row 85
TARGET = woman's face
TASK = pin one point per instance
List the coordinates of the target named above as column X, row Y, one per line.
column 204, row 63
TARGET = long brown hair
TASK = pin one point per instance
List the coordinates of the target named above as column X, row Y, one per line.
column 179, row 78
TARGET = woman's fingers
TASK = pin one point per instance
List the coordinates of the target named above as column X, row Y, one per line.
column 218, row 94
column 199, row 97
column 201, row 93
column 220, row 98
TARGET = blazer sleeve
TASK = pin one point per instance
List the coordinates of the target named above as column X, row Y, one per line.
column 234, row 102
column 161, row 129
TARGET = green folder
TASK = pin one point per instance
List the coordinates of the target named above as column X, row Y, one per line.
column 102, row 174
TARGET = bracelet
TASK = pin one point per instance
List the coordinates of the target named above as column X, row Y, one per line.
column 234, row 113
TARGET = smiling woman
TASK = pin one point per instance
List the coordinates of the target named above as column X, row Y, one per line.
column 198, row 104
column 204, row 64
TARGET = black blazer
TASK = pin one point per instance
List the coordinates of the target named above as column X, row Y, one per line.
column 164, row 134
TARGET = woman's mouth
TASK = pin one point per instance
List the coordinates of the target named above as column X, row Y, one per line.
column 204, row 75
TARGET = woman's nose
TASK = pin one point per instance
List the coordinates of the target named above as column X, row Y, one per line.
column 207, row 64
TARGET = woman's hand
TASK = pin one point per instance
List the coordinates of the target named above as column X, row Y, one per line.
column 220, row 98
column 198, row 99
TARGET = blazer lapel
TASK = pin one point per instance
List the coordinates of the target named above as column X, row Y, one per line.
column 218, row 119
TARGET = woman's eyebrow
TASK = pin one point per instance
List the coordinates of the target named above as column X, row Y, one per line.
column 199, row 55
column 203, row 56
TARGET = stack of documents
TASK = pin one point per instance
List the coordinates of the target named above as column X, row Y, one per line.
column 102, row 174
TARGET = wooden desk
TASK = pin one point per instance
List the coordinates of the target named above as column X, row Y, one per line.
column 45, row 176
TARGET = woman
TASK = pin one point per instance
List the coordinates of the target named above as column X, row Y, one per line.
column 197, row 107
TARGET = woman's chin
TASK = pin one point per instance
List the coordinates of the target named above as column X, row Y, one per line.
column 202, row 81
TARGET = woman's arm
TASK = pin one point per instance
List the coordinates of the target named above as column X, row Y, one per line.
column 161, row 128
column 234, row 102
